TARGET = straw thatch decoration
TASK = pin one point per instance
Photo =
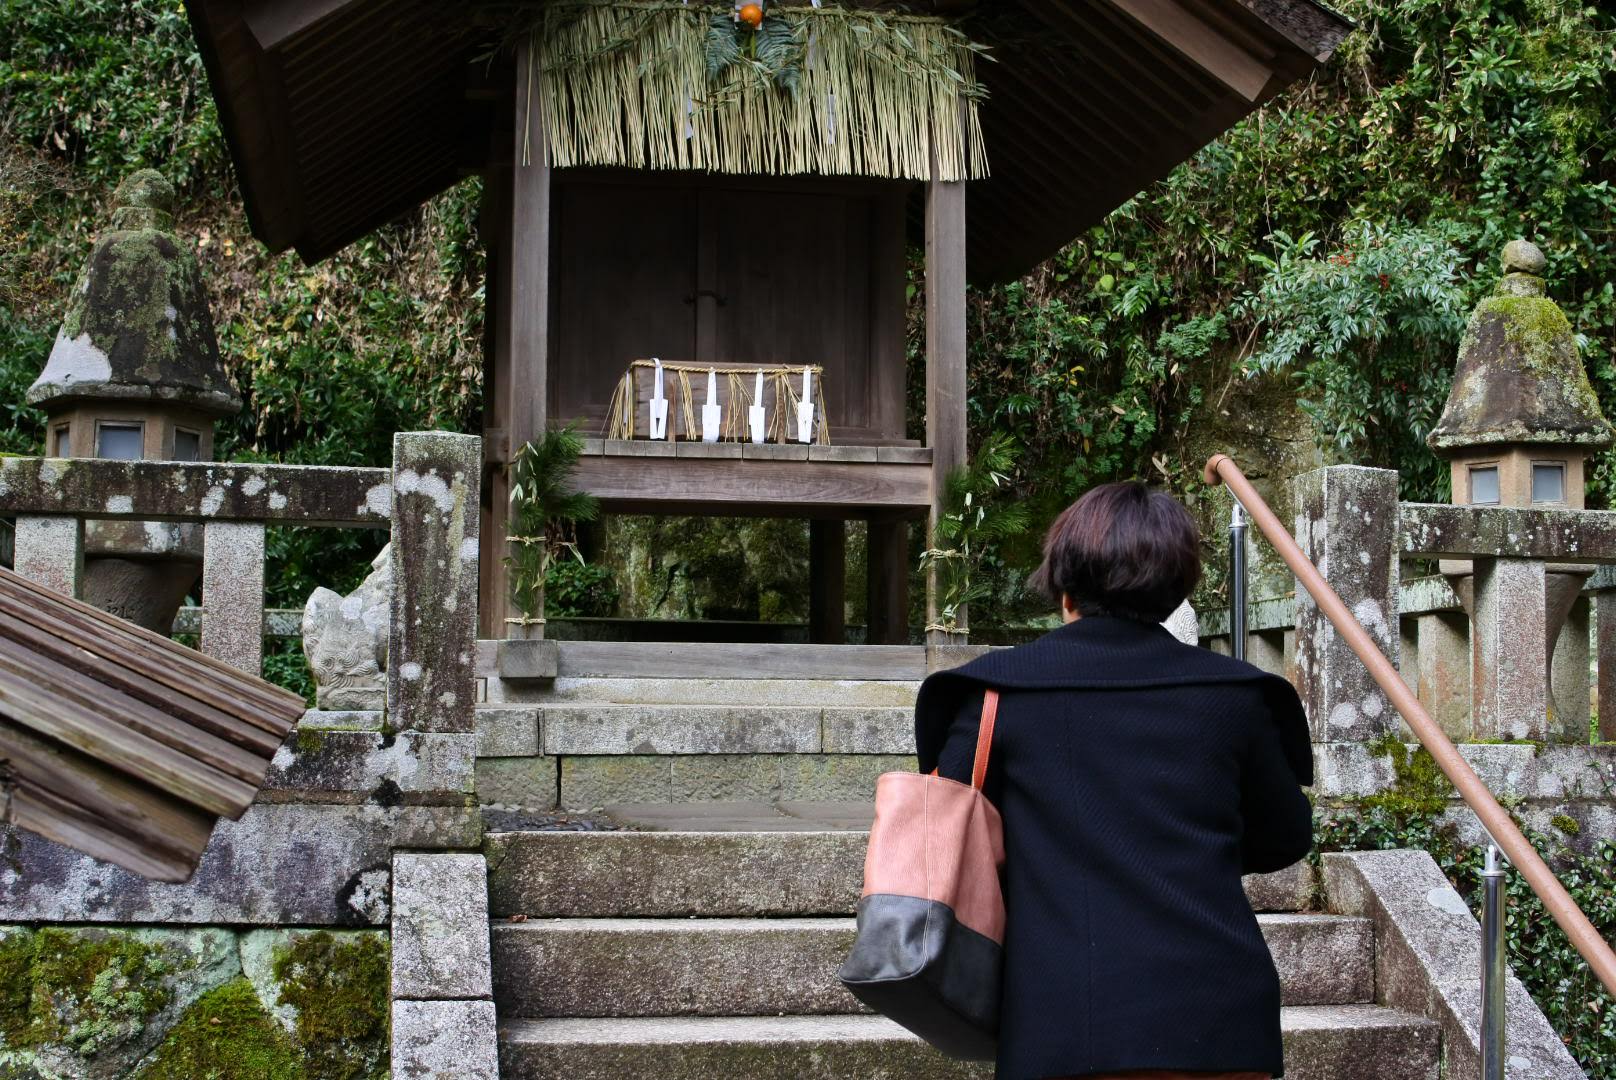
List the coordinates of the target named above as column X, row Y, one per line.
column 832, row 91
column 782, row 390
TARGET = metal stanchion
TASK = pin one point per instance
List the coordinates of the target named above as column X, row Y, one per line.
column 1493, row 965
column 1237, row 581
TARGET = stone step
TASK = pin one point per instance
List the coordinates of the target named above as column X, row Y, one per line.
column 1350, row 1042
column 761, row 871
column 767, row 967
column 821, row 692
column 582, row 729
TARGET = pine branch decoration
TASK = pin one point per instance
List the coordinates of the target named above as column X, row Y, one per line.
column 544, row 508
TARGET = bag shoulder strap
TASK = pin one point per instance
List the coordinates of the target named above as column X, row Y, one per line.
column 984, row 738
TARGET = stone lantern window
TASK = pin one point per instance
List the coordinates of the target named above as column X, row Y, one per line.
column 1483, row 484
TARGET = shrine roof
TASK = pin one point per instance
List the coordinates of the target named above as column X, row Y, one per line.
column 342, row 115
column 119, row 742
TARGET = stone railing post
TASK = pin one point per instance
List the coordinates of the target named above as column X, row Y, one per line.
column 432, row 642
column 1508, row 650
column 1346, row 523
column 1605, row 636
column 50, row 551
column 233, row 593
column 1443, row 682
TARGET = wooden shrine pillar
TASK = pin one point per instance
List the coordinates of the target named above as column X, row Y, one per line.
column 516, row 380
column 887, row 588
column 945, row 349
column 827, row 581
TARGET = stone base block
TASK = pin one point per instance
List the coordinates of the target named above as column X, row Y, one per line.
column 279, row 865
column 518, row 783
column 411, row 768
column 507, row 732
column 440, row 927
column 445, row 1040
column 1427, row 955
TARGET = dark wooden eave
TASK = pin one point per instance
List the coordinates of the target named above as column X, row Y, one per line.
column 121, row 743
column 344, row 114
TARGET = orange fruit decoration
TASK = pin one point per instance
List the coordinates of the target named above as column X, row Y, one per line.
column 752, row 15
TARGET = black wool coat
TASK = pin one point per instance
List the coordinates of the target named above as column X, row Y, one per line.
column 1138, row 778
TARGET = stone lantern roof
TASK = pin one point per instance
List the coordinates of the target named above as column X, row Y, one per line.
column 137, row 327
column 1519, row 379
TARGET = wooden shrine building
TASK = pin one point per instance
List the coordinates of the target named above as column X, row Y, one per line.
column 737, row 187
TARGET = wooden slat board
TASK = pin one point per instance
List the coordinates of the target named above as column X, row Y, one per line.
column 667, row 660
column 121, row 743
column 703, row 485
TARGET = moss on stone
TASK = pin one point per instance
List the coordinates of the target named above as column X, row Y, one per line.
column 1534, row 325
column 226, row 1035
column 1418, row 785
column 339, row 985
column 309, row 740
column 1566, row 824
column 84, row 990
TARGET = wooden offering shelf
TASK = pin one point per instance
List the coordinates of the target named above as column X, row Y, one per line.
column 766, row 480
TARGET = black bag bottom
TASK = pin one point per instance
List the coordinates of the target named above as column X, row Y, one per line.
column 913, row 963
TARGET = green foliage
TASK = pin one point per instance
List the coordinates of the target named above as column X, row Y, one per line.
column 974, row 518
column 574, row 589
column 1437, row 133
column 1540, row 954
column 1369, row 333
column 544, row 508
column 227, row 1034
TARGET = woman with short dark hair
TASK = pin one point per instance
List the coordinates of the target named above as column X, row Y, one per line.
column 1137, row 778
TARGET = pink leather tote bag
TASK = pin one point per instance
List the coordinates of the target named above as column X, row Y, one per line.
column 931, row 919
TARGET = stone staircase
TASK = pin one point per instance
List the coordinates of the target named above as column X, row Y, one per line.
column 701, row 938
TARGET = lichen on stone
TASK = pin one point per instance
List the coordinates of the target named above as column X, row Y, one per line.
column 84, row 990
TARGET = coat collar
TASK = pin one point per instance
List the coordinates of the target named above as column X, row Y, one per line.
column 1104, row 653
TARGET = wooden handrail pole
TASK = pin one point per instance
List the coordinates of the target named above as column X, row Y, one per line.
column 1585, row 937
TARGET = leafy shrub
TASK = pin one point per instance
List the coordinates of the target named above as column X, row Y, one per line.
column 574, row 589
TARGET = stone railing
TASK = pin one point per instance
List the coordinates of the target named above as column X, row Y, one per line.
column 1352, row 525
column 52, row 499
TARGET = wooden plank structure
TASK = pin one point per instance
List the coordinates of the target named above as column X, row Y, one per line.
column 121, row 743
column 343, row 114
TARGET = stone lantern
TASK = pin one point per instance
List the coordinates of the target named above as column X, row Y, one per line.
column 135, row 374
column 1521, row 420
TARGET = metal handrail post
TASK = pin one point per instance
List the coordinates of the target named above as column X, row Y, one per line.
column 1237, row 581
column 1493, row 965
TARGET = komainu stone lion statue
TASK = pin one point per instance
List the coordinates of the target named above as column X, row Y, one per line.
column 345, row 641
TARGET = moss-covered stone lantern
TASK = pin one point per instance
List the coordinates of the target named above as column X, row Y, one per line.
column 1522, row 419
column 135, row 373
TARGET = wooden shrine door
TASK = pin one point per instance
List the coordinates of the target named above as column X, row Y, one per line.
column 723, row 271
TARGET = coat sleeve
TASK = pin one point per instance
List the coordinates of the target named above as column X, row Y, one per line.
column 958, row 753
column 1278, row 819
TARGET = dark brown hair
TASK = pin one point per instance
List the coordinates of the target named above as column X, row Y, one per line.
column 1123, row 550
